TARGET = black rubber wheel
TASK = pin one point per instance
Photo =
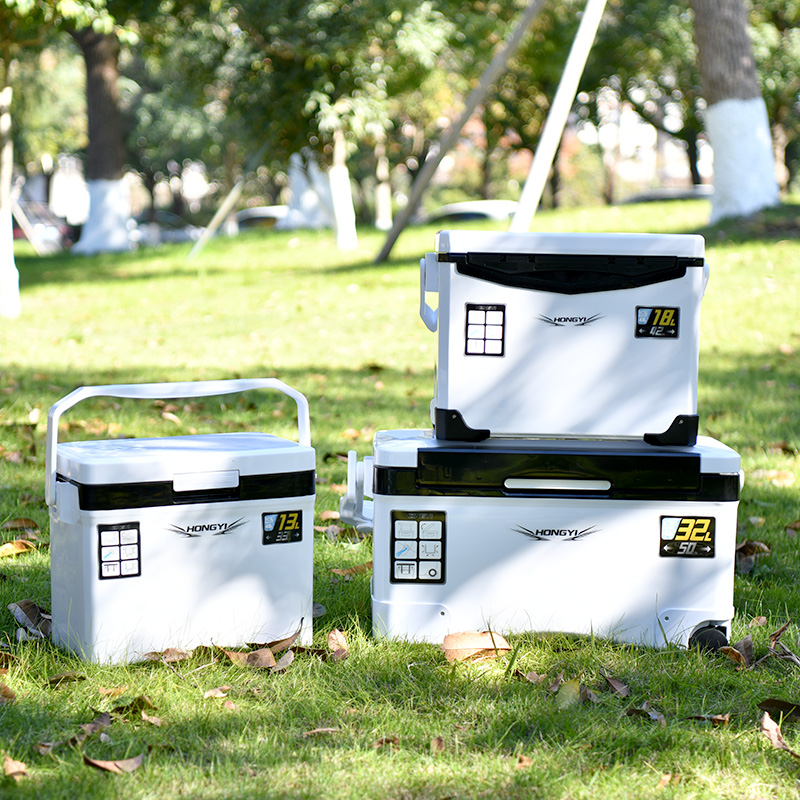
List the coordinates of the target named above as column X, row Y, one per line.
column 708, row 639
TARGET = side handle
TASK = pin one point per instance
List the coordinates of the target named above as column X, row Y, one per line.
column 428, row 282
column 353, row 509
column 160, row 391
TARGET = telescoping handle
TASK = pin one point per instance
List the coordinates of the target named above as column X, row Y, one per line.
column 428, row 282
column 162, row 391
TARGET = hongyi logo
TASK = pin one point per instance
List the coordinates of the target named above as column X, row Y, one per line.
column 214, row 528
column 556, row 534
column 574, row 321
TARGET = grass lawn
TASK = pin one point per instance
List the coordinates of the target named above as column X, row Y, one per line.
column 393, row 720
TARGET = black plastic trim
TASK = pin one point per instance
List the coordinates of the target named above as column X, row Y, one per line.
column 449, row 425
column 112, row 497
column 681, row 433
column 564, row 273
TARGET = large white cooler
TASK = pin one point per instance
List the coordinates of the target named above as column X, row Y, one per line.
column 616, row 539
column 583, row 335
column 183, row 540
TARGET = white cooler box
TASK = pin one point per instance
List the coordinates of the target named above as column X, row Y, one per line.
column 581, row 335
column 622, row 540
column 179, row 541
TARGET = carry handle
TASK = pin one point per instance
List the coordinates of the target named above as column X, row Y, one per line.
column 428, row 282
column 353, row 509
column 161, row 391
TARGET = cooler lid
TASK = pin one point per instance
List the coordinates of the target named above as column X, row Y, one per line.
column 181, row 459
column 609, row 468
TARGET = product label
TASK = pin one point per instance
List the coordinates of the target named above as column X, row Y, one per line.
column 485, row 330
column 687, row 537
column 282, row 527
column 119, row 550
column 417, row 547
column 657, row 323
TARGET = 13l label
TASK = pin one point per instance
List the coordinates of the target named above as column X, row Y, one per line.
column 284, row 526
column 687, row 537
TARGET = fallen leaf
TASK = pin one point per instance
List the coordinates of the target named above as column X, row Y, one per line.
column 471, row 644
column 734, row 655
column 157, row 721
column 772, row 731
column 356, row 570
column 6, row 695
column 116, row 692
column 715, row 719
column 98, row 724
column 168, row 656
column 757, row 522
column 45, row 748
column 339, row 488
column 219, row 691
column 170, row 417
column 122, row 767
column 569, row 694
column 286, row 642
column 20, row 524
column 587, row 695
column 319, row 731
column 14, row 769
column 667, row 779
column 531, row 677
column 351, row 433
column 230, row 705
column 136, row 705
column 283, row 662
column 65, row 677
column 437, row 745
column 523, row 762
column 757, row 622
column 262, row 658
column 617, row 687
column 783, row 709
column 385, row 741
column 337, row 643
column 33, row 618
column 775, row 637
column 556, row 684
column 648, row 713
column 327, row 515
column 16, row 547
column 745, row 647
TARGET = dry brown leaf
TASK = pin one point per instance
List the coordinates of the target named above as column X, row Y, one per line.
column 170, row 417
column 283, row 644
column 734, row 655
column 745, row 647
column 437, row 745
column 98, row 724
column 6, row 695
column 256, row 659
column 777, row 477
column 14, row 769
column 283, row 662
column 15, row 548
column 531, row 677
column 122, row 767
column 115, row 692
column 337, row 640
column 471, row 644
column 45, row 748
column 230, row 705
column 523, row 762
column 617, row 687
column 339, row 488
column 772, row 731
column 716, row 720
column 219, row 691
column 386, row 741
column 20, row 524
column 157, row 721
column 328, row 515
column 351, row 433
column 168, row 656
column 319, row 731
column 645, row 711
column 65, row 677
column 136, row 705
column 757, row 622
column 587, row 695
column 33, row 618
column 356, row 570
column 556, row 684
column 775, row 637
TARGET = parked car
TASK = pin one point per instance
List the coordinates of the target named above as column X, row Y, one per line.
column 496, row 210
column 257, row 217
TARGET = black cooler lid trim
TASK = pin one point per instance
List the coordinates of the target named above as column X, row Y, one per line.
column 113, row 497
column 475, row 473
column 564, row 273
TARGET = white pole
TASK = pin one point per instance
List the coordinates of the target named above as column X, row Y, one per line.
column 557, row 116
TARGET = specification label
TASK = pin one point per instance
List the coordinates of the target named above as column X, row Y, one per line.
column 417, row 547
column 119, row 550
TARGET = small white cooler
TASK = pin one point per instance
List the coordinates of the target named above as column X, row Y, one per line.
column 616, row 539
column 182, row 540
column 582, row 335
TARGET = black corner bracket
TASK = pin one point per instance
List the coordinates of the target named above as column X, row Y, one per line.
column 450, row 426
column 682, row 433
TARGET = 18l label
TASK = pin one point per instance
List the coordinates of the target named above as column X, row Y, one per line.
column 657, row 323
column 687, row 537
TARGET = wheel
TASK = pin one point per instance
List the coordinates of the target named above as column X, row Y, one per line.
column 709, row 639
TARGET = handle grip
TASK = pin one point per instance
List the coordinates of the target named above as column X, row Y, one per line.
column 161, row 391
column 428, row 282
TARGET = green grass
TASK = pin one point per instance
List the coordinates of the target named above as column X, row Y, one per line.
column 347, row 334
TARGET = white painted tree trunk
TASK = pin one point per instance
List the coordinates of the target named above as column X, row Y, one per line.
column 744, row 164
column 344, row 214
column 107, row 228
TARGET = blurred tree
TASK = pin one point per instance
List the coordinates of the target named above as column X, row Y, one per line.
column 736, row 117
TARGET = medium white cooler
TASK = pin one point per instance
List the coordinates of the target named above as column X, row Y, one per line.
column 183, row 540
column 616, row 539
column 581, row 335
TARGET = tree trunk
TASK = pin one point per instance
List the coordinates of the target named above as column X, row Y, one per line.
column 107, row 227
column 9, row 276
column 736, row 116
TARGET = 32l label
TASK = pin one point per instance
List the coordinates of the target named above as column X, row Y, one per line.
column 659, row 323
column 687, row 537
column 284, row 526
